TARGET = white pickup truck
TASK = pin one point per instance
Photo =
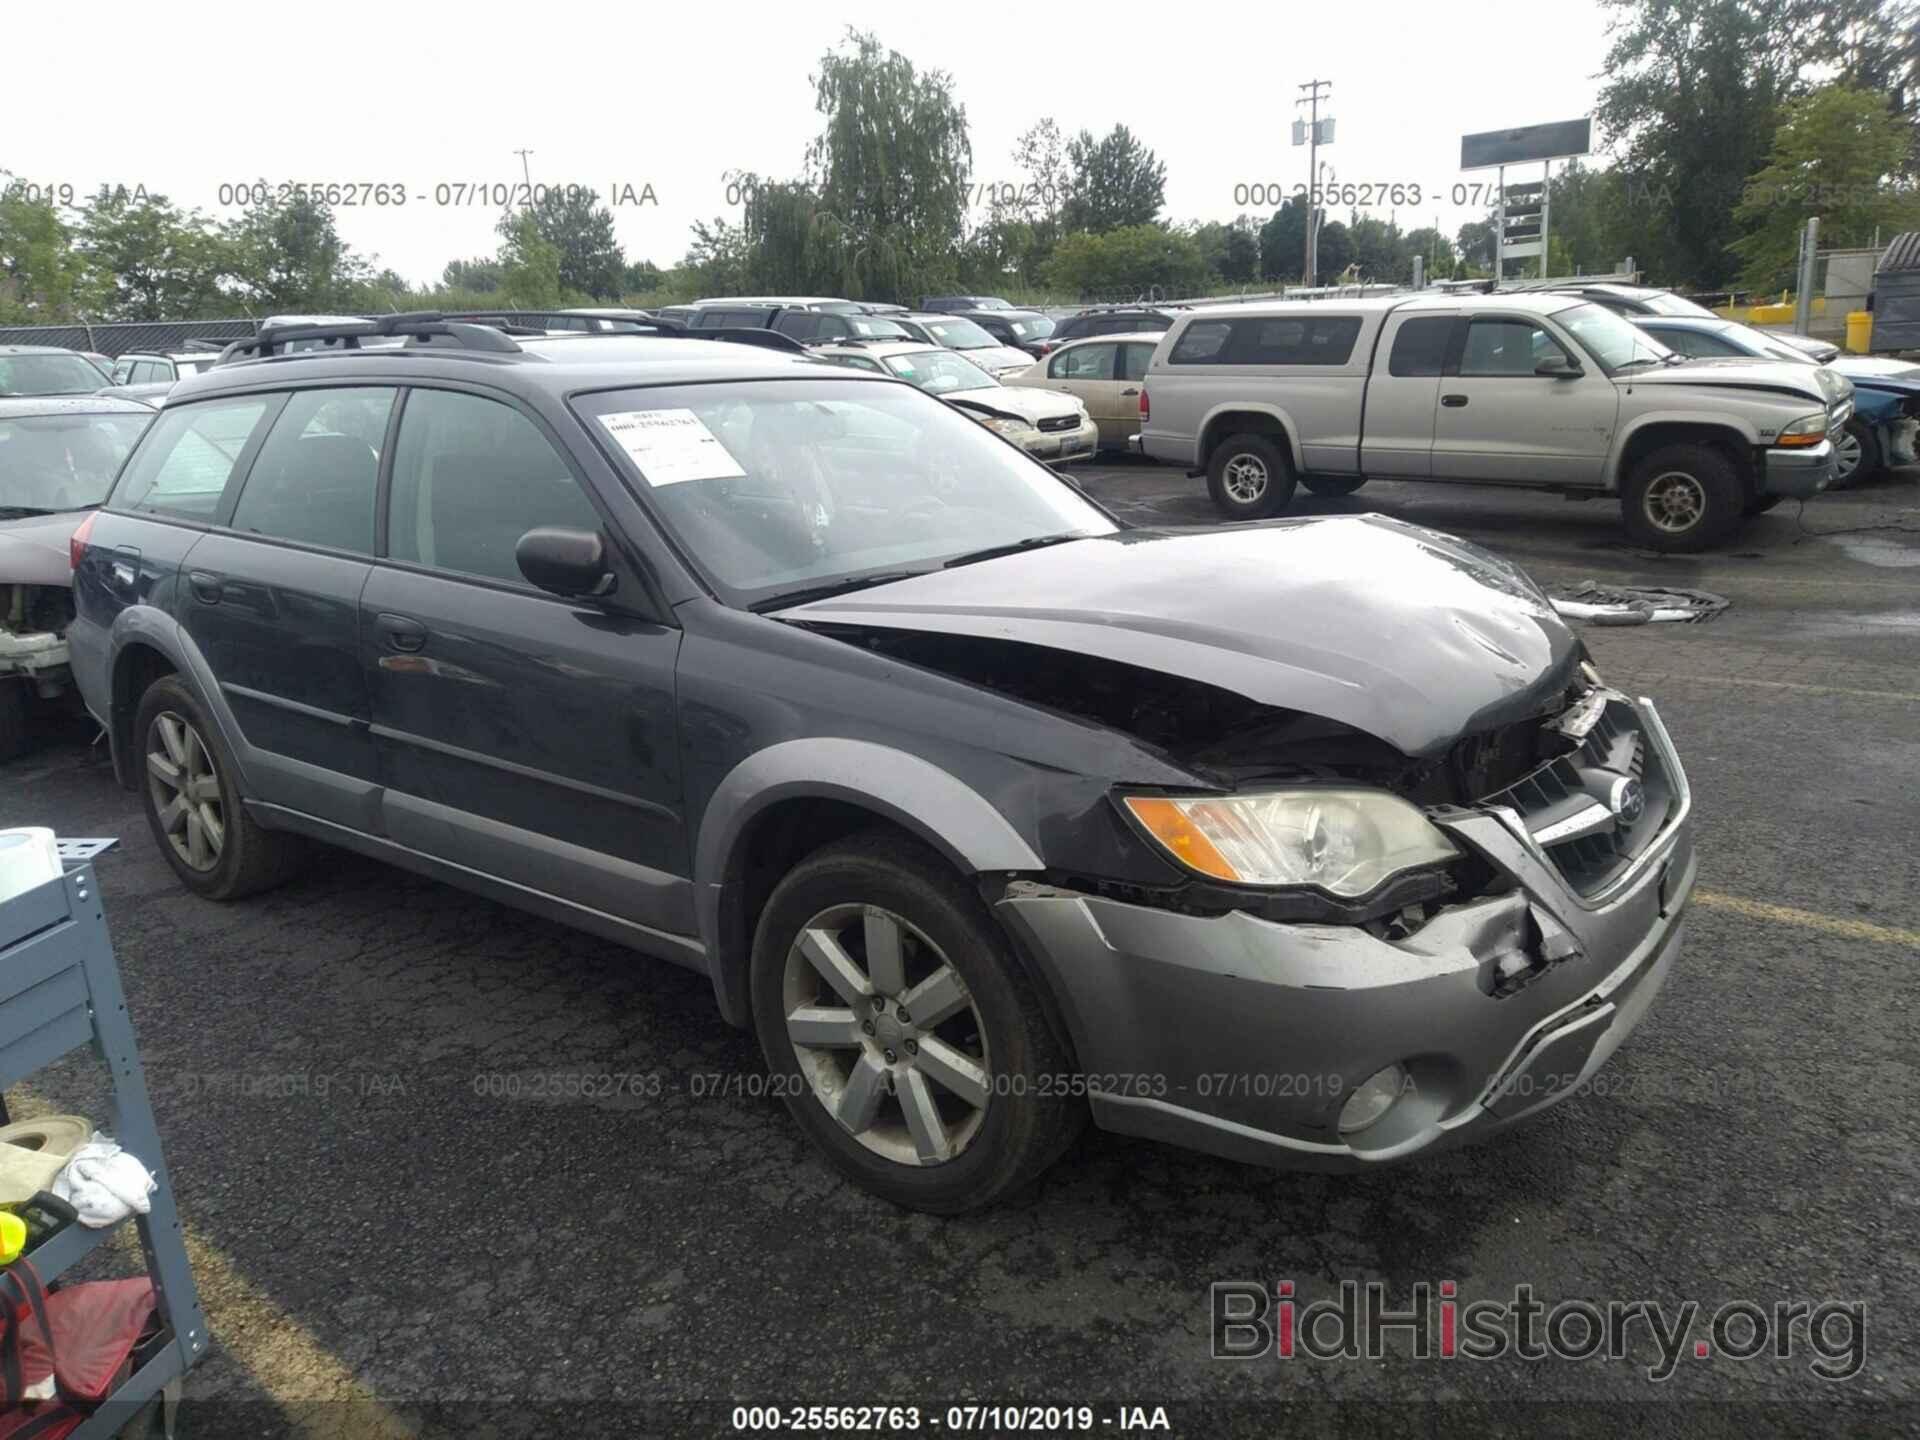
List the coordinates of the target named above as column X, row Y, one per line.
column 1543, row 392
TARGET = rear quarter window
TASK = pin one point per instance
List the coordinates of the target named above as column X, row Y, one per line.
column 182, row 465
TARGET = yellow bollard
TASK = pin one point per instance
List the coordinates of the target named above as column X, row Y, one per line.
column 1860, row 331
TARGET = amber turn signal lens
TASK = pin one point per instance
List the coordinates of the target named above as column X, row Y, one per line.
column 1167, row 824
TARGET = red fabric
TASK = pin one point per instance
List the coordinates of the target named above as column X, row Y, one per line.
column 95, row 1327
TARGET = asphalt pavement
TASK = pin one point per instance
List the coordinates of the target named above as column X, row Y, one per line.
column 448, row 1168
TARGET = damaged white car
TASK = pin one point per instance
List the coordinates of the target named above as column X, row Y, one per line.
column 58, row 457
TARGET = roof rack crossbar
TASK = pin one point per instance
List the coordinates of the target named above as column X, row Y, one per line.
column 413, row 325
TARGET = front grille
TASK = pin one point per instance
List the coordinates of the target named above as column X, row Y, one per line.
column 1592, row 846
column 1060, row 422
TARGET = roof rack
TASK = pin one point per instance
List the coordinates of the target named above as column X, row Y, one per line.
column 425, row 325
column 533, row 322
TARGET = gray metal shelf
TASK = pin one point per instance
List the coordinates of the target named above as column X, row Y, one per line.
column 60, row 990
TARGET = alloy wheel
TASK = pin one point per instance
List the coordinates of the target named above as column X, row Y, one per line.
column 886, row 1034
column 1675, row 502
column 186, row 791
column 1245, row 478
column 1846, row 454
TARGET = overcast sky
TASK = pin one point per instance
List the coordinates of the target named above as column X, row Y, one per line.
column 191, row 96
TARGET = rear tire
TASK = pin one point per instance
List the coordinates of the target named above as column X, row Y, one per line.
column 193, row 803
column 1682, row 499
column 1333, row 484
column 16, row 729
column 1249, row 478
column 1860, row 456
column 989, row 1111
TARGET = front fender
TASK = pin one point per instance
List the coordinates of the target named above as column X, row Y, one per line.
column 911, row 792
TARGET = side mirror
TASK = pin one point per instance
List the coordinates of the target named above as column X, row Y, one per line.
column 1559, row 367
column 572, row 563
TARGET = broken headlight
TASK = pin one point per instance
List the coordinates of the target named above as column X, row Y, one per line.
column 1346, row 842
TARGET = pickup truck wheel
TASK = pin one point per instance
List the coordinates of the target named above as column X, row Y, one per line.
column 1248, row 478
column 1857, row 454
column 194, row 807
column 1683, row 498
column 1333, row 484
column 902, row 1033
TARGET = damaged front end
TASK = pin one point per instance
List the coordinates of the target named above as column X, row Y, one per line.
column 33, row 636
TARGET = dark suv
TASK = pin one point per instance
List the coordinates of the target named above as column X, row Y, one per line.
column 1026, row 330
column 1317, row 843
column 1114, row 320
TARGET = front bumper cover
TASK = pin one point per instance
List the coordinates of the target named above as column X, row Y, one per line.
column 1801, row 472
column 1244, row 1037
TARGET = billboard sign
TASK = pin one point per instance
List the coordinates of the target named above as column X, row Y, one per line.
column 1528, row 143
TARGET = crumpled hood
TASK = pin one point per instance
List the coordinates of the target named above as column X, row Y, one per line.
column 1815, row 382
column 1408, row 634
column 1877, row 370
column 33, row 551
column 1019, row 400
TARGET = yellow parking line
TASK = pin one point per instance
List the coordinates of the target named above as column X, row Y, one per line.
column 1809, row 920
column 283, row 1357
column 1907, row 696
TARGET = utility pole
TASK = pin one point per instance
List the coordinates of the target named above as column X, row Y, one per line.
column 1499, row 222
column 1317, row 90
column 1546, row 215
column 526, row 172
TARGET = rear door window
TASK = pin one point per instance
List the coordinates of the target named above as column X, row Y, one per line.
column 470, row 477
column 1204, row 342
column 315, row 477
column 1134, row 360
column 183, row 465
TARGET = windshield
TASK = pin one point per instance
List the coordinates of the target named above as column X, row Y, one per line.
column 869, row 326
column 1667, row 303
column 941, row 372
column 55, row 374
column 1614, row 343
column 961, row 335
column 1032, row 327
column 778, row 487
column 62, row 462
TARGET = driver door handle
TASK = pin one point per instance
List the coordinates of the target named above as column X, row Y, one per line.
column 207, row 589
column 1454, row 402
column 397, row 632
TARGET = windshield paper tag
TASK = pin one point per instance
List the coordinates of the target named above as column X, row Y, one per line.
column 670, row 446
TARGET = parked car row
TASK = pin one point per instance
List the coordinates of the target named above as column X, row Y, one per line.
column 761, row 662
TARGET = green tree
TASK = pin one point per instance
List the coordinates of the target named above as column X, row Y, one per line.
column 715, row 262
column 642, row 277
column 890, row 167
column 1116, row 182
column 1691, row 103
column 1283, row 241
column 145, row 259
column 39, row 268
column 574, row 221
column 1837, row 155
column 1134, row 260
column 480, row 276
column 529, row 263
column 1474, row 242
column 1380, row 249
column 1432, row 245
column 287, row 255
column 1335, row 252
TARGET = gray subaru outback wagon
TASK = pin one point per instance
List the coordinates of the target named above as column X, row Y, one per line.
column 1314, row 843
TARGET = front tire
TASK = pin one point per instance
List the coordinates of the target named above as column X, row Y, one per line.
column 193, row 804
column 901, row 1031
column 1858, row 455
column 16, row 720
column 1682, row 499
column 1248, row 478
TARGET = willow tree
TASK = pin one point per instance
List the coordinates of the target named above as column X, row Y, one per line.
column 891, row 168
